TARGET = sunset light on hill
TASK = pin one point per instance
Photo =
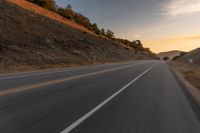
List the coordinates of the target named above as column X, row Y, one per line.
column 162, row 25
column 100, row 66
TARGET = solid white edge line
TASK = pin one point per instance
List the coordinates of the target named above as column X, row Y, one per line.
column 87, row 115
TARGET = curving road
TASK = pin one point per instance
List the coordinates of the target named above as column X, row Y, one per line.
column 131, row 97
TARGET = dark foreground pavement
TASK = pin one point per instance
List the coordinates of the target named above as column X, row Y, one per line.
column 132, row 97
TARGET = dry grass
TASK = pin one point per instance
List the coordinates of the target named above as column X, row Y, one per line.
column 41, row 11
column 29, row 41
column 54, row 16
column 189, row 72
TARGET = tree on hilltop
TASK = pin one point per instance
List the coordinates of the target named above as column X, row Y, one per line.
column 109, row 33
column 47, row 4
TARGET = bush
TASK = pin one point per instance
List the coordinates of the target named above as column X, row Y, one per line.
column 67, row 13
column 47, row 4
column 84, row 21
column 137, row 45
column 109, row 34
column 70, row 14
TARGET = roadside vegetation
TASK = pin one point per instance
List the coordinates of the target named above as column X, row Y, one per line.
column 189, row 69
column 34, row 38
column 179, row 56
column 70, row 14
column 80, row 19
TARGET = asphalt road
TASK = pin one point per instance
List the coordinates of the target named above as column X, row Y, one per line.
column 131, row 97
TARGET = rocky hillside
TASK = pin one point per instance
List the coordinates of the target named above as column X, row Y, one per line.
column 190, row 71
column 33, row 41
column 194, row 55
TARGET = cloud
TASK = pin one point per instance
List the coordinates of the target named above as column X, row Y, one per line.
column 182, row 7
column 136, row 35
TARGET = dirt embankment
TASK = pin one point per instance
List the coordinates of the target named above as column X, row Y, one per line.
column 32, row 41
column 189, row 71
column 189, row 66
column 41, row 11
column 193, row 55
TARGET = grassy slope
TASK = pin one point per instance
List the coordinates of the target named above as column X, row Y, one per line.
column 194, row 54
column 191, row 72
column 41, row 11
column 32, row 41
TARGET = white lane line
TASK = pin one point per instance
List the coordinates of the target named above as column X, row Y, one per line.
column 83, row 118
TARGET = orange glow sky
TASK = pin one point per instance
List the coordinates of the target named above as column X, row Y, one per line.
column 162, row 25
column 181, row 43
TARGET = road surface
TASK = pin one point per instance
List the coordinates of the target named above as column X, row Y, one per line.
column 131, row 97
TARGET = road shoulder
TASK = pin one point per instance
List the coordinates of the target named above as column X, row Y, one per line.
column 191, row 92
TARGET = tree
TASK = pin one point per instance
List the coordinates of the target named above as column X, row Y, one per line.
column 103, row 32
column 109, row 33
column 47, row 4
column 137, row 45
column 82, row 20
column 95, row 28
column 68, row 13
column 69, row 6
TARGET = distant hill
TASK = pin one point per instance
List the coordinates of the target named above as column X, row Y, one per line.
column 29, row 39
column 170, row 54
column 194, row 55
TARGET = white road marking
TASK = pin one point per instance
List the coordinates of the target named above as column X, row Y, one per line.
column 87, row 115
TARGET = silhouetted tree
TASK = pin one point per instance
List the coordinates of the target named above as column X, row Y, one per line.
column 103, row 32
column 48, row 4
column 70, row 14
column 109, row 33
column 66, row 12
column 69, row 6
column 95, row 28
column 137, row 45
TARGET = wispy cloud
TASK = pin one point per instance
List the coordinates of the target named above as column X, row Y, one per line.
column 136, row 35
column 182, row 7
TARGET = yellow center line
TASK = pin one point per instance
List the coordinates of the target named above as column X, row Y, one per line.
column 34, row 86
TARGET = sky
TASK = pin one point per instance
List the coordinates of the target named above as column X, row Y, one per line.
column 162, row 25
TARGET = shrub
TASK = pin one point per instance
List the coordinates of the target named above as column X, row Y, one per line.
column 47, row 4
column 66, row 12
column 109, row 33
